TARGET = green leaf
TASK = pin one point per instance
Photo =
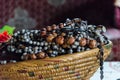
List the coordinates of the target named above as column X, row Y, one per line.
column 7, row 28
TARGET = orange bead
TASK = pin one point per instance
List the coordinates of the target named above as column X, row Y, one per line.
column 92, row 43
column 41, row 55
column 60, row 40
column 54, row 27
column 83, row 42
column 54, row 34
column 71, row 40
column 63, row 34
column 49, row 28
column 50, row 38
column 33, row 56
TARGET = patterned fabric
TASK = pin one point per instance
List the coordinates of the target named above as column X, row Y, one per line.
column 41, row 10
column 21, row 20
column 114, row 35
column 117, row 17
column 116, row 50
column 46, row 13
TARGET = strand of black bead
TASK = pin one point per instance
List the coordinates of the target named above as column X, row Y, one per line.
column 30, row 41
column 101, row 61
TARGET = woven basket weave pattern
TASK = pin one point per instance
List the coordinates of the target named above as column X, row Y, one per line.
column 77, row 66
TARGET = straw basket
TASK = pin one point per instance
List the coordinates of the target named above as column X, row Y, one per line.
column 77, row 66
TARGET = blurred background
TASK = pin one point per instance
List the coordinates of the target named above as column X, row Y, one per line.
column 48, row 12
column 36, row 14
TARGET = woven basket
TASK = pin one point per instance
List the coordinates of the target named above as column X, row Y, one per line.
column 77, row 66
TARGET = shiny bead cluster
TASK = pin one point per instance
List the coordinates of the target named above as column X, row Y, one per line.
column 65, row 38
column 3, row 62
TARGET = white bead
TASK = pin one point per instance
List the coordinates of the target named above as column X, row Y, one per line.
column 24, row 53
column 3, row 62
column 13, row 61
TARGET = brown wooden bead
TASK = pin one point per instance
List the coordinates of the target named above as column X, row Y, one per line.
column 70, row 40
column 50, row 37
column 61, row 25
column 54, row 34
column 43, row 33
column 60, row 40
column 92, row 43
column 44, row 29
column 32, row 56
column 77, row 20
column 63, row 34
column 41, row 55
column 54, row 27
column 49, row 28
column 83, row 42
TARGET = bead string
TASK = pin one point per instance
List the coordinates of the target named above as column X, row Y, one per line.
column 101, row 60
